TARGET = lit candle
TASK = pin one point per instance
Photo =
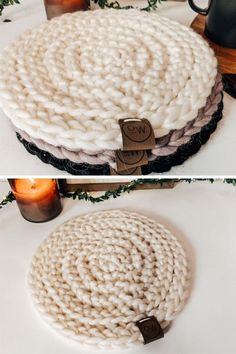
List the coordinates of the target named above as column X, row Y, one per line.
column 59, row 7
column 37, row 199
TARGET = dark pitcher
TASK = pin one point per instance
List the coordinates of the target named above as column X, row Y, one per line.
column 221, row 21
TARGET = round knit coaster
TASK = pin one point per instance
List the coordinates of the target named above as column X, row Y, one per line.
column 156, row 164
column 98, row 274
column 70, row 80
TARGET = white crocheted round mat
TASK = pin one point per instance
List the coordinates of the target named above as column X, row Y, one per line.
column 164, row 146
column 98, row 274
column 70, row 80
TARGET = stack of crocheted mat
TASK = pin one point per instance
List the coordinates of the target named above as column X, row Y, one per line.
column 66, row 84
column 98, row 276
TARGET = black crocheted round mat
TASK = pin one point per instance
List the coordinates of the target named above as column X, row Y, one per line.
column 160, row 164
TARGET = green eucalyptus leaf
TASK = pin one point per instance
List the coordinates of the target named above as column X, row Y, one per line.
column 151, row 5
column 4, row 3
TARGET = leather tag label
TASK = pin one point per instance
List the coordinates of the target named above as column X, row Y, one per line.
column 129, row 159
column 137, row 134
column 150, row 329
column 131, row 171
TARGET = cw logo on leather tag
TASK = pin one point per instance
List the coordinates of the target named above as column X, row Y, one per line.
column 129, row 159
column 137, row 134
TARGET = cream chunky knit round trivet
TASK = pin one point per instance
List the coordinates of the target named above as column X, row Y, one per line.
column 164, row 146
column 98, row 274
column 70, row 80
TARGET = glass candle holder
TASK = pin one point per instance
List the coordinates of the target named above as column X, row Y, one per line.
column 38, row 199
column 58, row 7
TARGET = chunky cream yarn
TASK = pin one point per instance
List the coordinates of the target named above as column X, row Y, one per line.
column 164, row 146
column 98, row 274
column 70, row 80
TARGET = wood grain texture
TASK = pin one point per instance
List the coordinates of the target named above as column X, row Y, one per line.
column 226, row 56
column 99, row 187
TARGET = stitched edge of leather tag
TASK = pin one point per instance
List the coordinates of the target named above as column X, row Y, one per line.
column 129, row 159
column 131, row 171
column 137, row 134
column 150, row 329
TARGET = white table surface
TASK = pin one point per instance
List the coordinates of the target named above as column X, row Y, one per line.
column 201, row 215
column 215, row 158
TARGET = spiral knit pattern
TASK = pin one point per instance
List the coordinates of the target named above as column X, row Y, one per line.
column 164, row 146
column 158, row 165
column 70, row 80
column 169, row 144
column 98, row 274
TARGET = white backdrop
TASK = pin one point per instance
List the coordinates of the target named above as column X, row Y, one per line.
column 201, row 215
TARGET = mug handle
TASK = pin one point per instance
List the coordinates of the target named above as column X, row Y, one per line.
column 199, row 9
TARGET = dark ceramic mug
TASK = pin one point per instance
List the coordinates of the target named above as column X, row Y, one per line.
column 221, row 21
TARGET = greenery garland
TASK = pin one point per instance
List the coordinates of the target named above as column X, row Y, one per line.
column 4, row 3
column 127, row 188
column 81, row 195
column 8, row 199
column 151, row 5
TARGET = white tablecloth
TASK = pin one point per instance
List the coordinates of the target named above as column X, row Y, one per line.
column 215, row 158
column 201, row 215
